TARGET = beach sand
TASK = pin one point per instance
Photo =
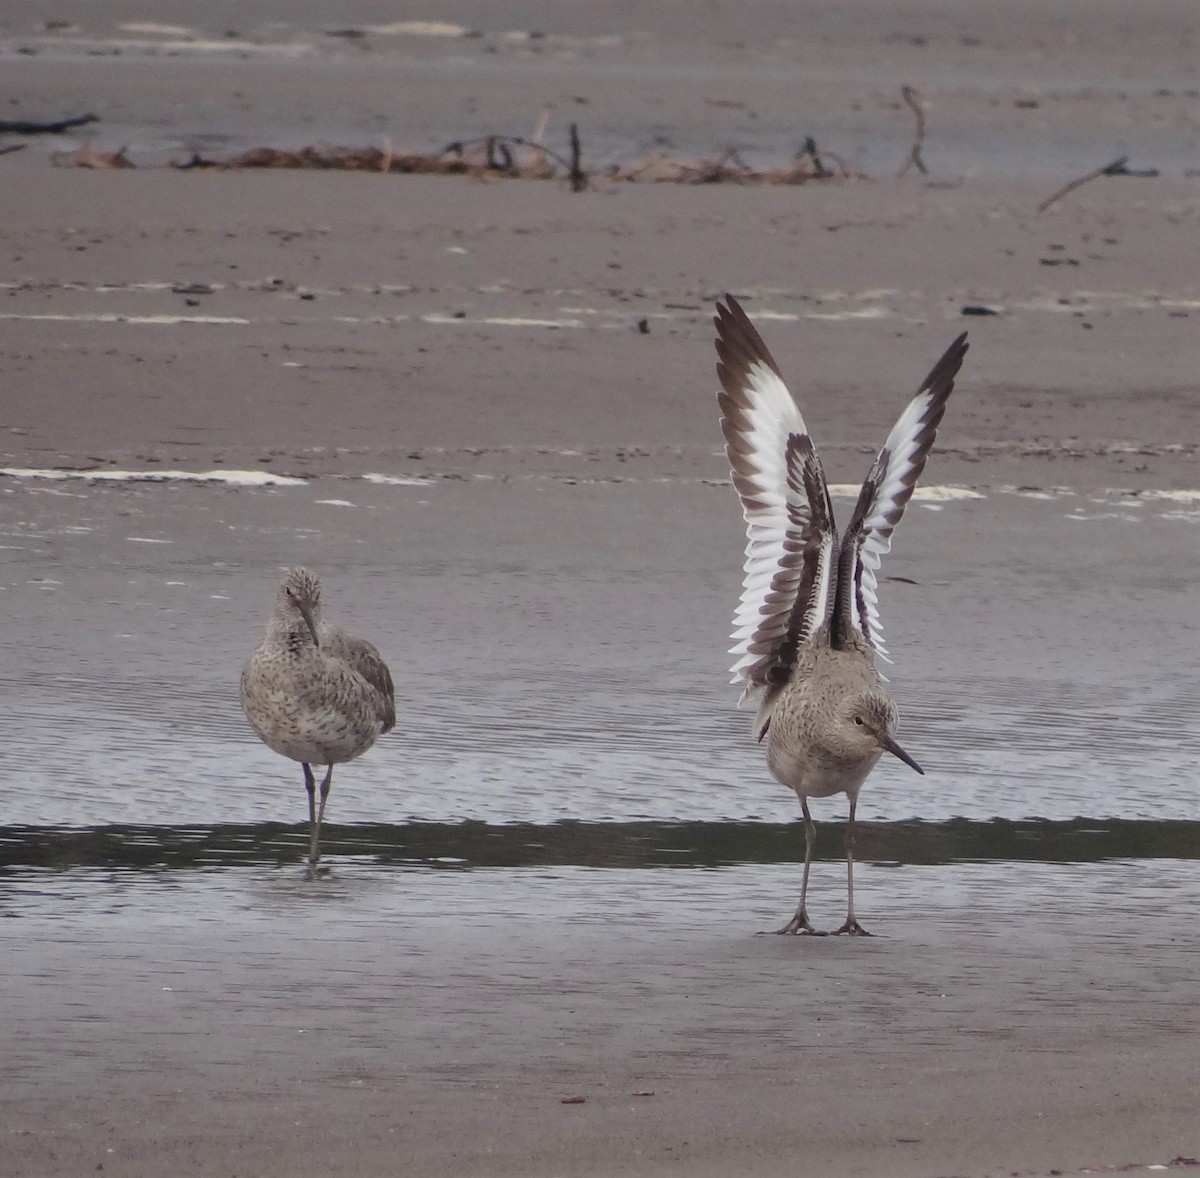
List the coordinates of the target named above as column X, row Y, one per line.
column 552, row 578
column 578, row 1021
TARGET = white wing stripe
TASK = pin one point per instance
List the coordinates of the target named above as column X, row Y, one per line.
column 888, row 489
column 758, row 417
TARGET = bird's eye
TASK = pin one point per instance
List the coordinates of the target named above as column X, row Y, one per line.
column 858, row 720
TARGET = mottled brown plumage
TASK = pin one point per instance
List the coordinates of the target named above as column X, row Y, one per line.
column 314, row 692
column 807, row 629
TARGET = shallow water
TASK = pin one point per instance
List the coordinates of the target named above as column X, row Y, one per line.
column 164, row 850
column 560, row 659
column 138, row 906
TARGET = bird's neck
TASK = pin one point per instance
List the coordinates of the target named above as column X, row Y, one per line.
column 295, row 635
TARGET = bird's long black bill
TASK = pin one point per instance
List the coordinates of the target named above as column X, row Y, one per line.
column 896, row 751
column 312, row 629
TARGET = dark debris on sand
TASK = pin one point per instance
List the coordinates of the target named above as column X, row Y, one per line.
column 502, row 157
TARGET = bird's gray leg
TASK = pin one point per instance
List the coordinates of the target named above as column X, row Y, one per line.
column 800, row 924
column 310, row 784
column 314, row 844
column 852, row 927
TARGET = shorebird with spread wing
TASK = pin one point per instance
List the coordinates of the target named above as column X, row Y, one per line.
column 807, row 631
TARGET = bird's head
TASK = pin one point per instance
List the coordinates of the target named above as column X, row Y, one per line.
column 868, row 724
column 299, row 600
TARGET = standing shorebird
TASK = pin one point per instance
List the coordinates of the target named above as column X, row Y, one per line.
column 807, row 630
column 314, row 693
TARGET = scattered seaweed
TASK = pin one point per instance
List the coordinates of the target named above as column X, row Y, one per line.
column 491, row 156
column 90, row 156
column 808, row 164
column 510, row 157
column 514, row 157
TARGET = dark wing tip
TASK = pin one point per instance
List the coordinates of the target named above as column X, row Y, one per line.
column 727, row 314
column 730, row 309
column 738, row 341
column 946, row 369
column 731, row 322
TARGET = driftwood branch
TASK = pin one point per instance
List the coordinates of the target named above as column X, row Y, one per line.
column 577, row 176
column 23, row 127
column 9, row 148
column 819, row 171
column 1116, row 168
column 914, row 103
column 500, row 159
column 808, row 164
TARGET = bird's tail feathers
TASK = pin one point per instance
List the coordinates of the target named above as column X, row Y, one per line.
column 766, row 708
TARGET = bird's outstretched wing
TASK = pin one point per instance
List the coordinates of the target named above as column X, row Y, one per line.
column 791, row 543
column 881, row 503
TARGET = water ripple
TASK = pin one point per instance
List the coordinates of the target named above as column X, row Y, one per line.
column 535, row 746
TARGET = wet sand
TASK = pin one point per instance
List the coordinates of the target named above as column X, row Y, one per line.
column 552, row 577
column 600, row 1022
